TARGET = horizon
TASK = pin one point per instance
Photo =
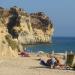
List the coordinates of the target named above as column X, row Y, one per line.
column 60, row 12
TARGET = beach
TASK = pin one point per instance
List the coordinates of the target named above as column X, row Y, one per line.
column 37, row 38
column 28, row 66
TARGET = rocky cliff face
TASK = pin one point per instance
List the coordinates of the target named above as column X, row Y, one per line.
column 17, row 28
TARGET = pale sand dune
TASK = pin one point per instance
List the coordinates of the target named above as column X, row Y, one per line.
column 28, row 66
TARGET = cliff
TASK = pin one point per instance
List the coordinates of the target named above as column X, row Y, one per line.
column 18, row 28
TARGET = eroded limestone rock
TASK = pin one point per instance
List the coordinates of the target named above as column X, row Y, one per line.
column 24, row 28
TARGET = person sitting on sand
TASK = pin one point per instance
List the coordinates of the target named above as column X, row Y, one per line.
column 52, row 62
column 57, row 63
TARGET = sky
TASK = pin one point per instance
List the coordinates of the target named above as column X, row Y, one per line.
column 61, row 12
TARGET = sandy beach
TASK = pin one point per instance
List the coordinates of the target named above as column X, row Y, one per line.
column 37, row 38
column 28, row 66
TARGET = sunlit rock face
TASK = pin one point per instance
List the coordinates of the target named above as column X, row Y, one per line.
column 5, row 48
column 35, row 28
column 23, row 28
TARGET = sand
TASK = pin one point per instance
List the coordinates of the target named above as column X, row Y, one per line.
column 28, row 66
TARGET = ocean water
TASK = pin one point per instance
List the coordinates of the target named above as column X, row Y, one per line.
column 59, row 44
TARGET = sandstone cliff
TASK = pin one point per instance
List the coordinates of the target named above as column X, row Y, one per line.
column 17, row 28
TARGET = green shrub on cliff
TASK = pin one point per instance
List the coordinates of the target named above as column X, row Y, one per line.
column 11, row 42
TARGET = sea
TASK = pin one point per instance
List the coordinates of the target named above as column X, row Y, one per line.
column 59, row 44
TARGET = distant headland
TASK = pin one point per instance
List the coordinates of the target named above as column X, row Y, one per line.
column 17, row 27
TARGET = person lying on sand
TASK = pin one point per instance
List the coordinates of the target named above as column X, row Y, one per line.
column 54, row 62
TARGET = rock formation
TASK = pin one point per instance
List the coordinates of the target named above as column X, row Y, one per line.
column 18, row 28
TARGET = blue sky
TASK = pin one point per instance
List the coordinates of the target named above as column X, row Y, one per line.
column 61, row 12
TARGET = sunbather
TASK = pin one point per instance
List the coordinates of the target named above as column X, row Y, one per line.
column 52, row 62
